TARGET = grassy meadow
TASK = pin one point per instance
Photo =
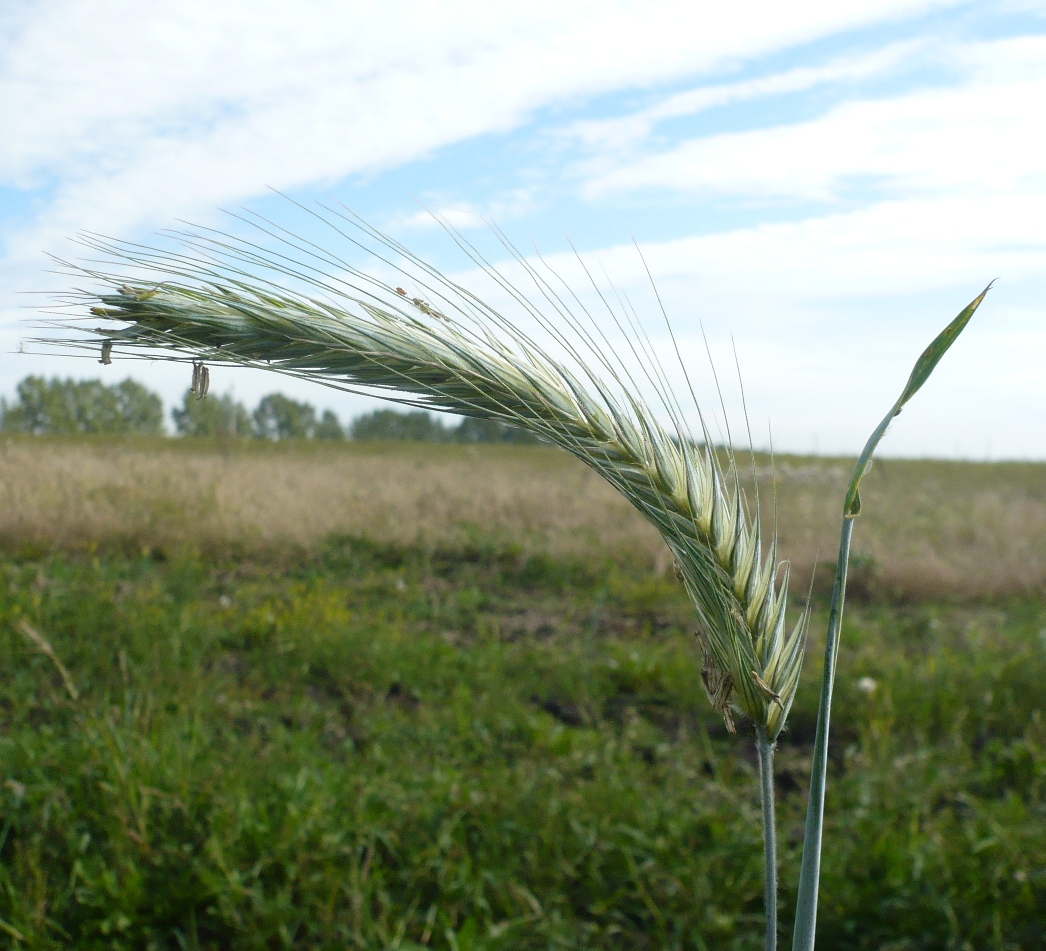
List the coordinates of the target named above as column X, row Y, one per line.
column 930, row 529
column 420, row 696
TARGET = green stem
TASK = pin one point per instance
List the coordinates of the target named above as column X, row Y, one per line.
column 810, row 873
column 766, row 795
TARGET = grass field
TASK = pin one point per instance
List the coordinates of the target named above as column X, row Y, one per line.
column 402, row 696
column 931, row 529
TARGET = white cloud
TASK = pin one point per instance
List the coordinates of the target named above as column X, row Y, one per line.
column 829, row 315
column 625, row 134
column 439, row 211
column 976, row 138
column 892, row 248
column 144, row 112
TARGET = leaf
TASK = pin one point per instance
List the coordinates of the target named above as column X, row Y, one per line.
column 924, row 366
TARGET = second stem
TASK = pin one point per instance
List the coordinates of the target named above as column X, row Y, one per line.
column 766, row 796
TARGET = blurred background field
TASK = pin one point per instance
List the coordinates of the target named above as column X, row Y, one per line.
column 931, row 528
column 375, row 695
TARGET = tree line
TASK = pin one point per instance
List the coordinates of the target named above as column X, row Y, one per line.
column 56, row 407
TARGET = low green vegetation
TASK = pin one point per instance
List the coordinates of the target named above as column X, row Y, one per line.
column 468, row 747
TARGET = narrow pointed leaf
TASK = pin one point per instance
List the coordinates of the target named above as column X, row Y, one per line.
column 924, row 366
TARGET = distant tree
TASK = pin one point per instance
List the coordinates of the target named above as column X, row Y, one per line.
column 280, row 417
column 59, row 407
column 490, row 430
column 140, row 410
column 329, row 427
column 213, row 416
column 389, row 424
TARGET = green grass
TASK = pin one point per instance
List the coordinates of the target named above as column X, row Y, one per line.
column 472, row 748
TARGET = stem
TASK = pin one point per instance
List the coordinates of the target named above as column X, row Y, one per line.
column 810, row 873
column 766, row 795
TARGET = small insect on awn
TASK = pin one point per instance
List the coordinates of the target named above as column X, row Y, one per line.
column 107, row 353
column 424, row 307
column 427, row 308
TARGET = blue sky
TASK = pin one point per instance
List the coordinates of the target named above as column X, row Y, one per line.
column 823, row 185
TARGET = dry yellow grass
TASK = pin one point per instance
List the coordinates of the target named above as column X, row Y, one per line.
column 259, row 497
column 930, row 527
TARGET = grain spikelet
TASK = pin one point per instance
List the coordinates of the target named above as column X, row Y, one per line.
column 221, row 300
